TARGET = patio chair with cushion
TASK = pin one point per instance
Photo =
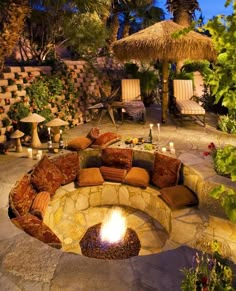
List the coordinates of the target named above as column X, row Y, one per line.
column 131, row 99
column 183, row 103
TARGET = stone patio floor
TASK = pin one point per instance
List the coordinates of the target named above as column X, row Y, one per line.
column 28, row 264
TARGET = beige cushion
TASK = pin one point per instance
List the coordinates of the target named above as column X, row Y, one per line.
column 90, row 177
column 79, row 143
column 137, row 177
column 189, row 107
column 178, row 196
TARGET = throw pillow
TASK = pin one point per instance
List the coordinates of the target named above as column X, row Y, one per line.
column 21, row 196
column 93, row 133
column 137, row 177
column 165, row 171
column 36, row 228
column 117, row 158
column 40, row 204
column 68, row 164
column 46, row 176
column 105, row 139
column 113, row 174
column 90, row 177
column 79, row 143
column 178, row 196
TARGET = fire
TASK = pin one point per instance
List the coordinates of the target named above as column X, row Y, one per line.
column 114, row 227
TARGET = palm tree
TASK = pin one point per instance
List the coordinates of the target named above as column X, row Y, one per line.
column 183, row 10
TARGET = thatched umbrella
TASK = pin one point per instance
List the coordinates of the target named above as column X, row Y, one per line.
column 158, row 43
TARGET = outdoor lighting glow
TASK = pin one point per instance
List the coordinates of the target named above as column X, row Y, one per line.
column 114, row 227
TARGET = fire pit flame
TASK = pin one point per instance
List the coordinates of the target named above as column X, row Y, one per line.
column 114, row 227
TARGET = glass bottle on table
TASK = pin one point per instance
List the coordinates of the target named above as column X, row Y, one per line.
column 61, row 142
column 50, row 147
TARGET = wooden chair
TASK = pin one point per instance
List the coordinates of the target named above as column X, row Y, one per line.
column 183, row 103
column 131, row 99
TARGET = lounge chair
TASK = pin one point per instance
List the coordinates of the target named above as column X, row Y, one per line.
column 183, row 103
column 133, row 105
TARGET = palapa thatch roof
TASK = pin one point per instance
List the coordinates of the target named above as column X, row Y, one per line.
column 157, row 43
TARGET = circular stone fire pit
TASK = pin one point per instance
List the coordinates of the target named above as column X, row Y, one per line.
column 92, row 245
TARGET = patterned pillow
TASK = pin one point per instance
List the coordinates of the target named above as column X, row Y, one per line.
column 36, row 228
column 93, row 133
column 113, row 174
column 68, row 164
column 79, row 143
column 40, row 204
column 137, row 177
column 165, row 171
column 106, row 139
column 178, row 196
column 117, row 158
column 46, row 176
column 21, row 196
column 90, row 177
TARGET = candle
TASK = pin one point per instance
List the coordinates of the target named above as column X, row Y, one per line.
column 38, row 157
column 30, row 153
column 151, row 125
column 40, row 153
column 171, row 145
column 172, row 151
column 49, row 130
column 60, row 131
column 163, row 150
column 158, row 128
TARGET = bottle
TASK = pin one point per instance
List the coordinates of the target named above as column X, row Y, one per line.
column 61, row 142
column 150, row 136
column 49, row 140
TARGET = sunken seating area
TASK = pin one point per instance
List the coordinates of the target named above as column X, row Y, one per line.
column 31, row 195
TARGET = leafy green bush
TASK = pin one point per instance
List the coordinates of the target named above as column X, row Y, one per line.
column 227, row 123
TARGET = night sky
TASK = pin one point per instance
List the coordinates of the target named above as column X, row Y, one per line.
column 209, row 8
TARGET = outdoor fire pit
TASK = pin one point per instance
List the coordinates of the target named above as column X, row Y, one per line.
column 111, row 239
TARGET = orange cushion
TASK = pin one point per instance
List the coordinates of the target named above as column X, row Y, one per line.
column 105, row 139
column 90, row 177
column 21, row 196
column 137, row 177
column 93, row 133
column 79, row 143
column 40, row 204
column 178, row 196
column 113, row 174
column 165, row 171
column 46, row 176
column 117, row 158
column 36, row 228
column 68, row 164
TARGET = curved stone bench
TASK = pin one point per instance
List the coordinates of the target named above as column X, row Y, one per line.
column 196, row 174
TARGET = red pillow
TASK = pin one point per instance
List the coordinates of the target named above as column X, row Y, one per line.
column 46, row 176
column 117, row 158
column 165, row 171
column 105, row 139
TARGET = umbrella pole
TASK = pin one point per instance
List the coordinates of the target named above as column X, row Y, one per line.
column 165, row 90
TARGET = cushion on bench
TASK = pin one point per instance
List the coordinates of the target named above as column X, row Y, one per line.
column 36, row 228
column 178, row 196
column 21, row 196
column 165, row 171
column 113, row 174
column 40, row 204
column 46, row 176
column 189, row 107
column 137, row 177
column 68, row 164
column 79, row 143
column 117, row 158
column 90, row 177
column 105, row 139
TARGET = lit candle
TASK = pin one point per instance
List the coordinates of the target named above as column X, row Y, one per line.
column 158, row 128
column 60, row 131
column 40, row 153
column 38, row 157
column 172, row 151
column 30, row 153
column 151, row 125
column 163, row 150
column 171, row 145
column 49, row 130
